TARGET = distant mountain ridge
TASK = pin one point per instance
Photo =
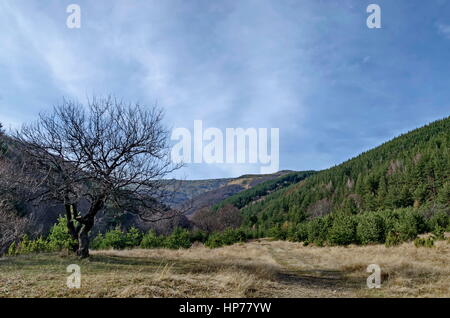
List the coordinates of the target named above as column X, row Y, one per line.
column 206, row 193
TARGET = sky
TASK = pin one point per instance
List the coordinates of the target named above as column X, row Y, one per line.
column 311, row 68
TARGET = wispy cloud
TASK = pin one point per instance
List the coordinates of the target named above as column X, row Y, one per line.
column 310, row 68
column 444, row 29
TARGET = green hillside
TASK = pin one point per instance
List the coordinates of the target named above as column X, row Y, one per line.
column 411, row 170
column 263, row 189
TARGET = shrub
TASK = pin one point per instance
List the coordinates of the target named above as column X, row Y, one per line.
column 252, row 233
column 12, row 249
column 390, row 219
column 392, row 239
column 343, row 230
column 114, row 239
column 410, row 224
column 59, row 237
column 230, row 236
column 439, row 221
column 27, row 246
column 179, row 238
column 214, row 240
column 424, row 242
column 133, row 238
column 111, row 239
column 98, row 242
column 117, row 239
column 227, row 237
column 318, row 230
column 198, row 236
column 370, row 229
column 439, row 233
column 301, row 233
column 152, row 240
column 278, row 232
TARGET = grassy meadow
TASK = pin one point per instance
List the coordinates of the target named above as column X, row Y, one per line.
column 260, row 268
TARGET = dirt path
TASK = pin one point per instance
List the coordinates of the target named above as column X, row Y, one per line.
column 304, row 281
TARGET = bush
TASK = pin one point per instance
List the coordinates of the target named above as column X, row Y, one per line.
column 410, row 224
column 117, row 239
column 133, row 238
column 424, row 242
column 12, row 249
column 439, row 233
column 277, row 232
column 179, row 238
column 318, row 230
column 111, row 239
column 439, row 221
column 370, row 229
column 252, row 233
column 392, row 239
column 230, row 236
column 59, row 237
column 300, row 233
column 343, row 230
column 98, row 242
column 152, row 240
column 390, row 219
column 27, row 246
column 214, row 241
column 198, row 236
column 227, row 237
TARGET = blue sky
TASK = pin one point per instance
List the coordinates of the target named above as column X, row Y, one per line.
column 311, row 68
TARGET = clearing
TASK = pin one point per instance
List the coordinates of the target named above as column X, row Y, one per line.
column 261, row 268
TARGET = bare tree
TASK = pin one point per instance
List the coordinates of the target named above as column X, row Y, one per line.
column 12, row 227
column 107, row 153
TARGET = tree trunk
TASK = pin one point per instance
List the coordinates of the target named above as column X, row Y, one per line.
column 83, row 243
column 71, row 215
column 87, row 223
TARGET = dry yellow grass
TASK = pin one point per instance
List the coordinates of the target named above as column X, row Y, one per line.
column 256, row 269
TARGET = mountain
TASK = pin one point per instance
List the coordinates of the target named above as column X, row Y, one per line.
column 263, row 189
column 206, row 193
column 412, row 170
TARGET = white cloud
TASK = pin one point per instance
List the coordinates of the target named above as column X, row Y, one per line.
column 44, row 44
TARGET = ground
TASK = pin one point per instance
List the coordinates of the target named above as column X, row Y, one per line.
column 259, row 268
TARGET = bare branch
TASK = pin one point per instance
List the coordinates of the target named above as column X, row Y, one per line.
column 108, row 152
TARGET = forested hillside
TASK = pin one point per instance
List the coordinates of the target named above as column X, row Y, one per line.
column 230, row 187
column 412, row 170
column 243, row 198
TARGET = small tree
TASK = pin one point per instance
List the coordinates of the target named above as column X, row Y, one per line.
column 370, row 228
column 343, row 230
column 105, row 154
